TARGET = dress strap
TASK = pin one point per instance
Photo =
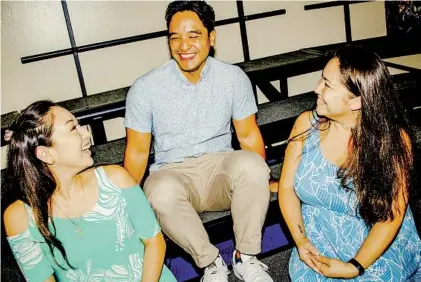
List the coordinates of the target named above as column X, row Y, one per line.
column 313, row 134
column 104, row 183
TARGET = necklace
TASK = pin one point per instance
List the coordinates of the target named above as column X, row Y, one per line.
column 79, row 230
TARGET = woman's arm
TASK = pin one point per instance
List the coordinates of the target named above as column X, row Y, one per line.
column 25, row 249
column 289, row 203
column 378, row 240
column 382, row 234
column 154, row 258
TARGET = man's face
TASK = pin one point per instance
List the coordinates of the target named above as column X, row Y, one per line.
column 189, row 42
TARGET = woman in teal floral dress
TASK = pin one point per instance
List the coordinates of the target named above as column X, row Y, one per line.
column 72, row 223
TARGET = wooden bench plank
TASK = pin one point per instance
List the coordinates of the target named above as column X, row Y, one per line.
column 286, row 64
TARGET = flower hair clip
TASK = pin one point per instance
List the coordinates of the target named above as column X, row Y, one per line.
column 8, row 134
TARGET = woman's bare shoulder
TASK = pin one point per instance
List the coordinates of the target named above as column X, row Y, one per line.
column 15, row 218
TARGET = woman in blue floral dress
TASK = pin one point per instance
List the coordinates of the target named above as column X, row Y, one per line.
column 346, row 178
column 72, row 223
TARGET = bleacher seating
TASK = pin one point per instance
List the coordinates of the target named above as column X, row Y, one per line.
column 275, row 120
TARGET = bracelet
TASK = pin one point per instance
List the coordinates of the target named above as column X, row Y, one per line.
column 358, row 266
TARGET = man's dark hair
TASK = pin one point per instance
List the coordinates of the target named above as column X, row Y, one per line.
column 203, row 10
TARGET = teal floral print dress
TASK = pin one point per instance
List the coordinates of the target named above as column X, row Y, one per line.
column 103, row 245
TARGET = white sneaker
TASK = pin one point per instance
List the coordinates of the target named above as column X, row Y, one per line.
column 216, row 272
column 250, row 269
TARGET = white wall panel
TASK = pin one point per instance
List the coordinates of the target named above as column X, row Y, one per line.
column 224, row 9
column 115, row 128
column 368, row 20
column 119, row 66
column 413, row 61
column 29, row 28
column 228, row 44
column 294, row 30
column 54, row 79
column 3, row 157
column 96, row 21
column 303, row 83
column 255, row 7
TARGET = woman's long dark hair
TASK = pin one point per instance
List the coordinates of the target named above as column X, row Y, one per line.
column 28, row 174
column 380, row 160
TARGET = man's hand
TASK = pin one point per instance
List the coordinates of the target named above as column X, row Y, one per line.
column 335, row 268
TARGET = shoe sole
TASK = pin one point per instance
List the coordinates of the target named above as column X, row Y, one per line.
column 238, row 275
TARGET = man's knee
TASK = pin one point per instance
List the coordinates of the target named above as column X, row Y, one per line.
column 249, row 165
column 250, row 175
column 163, row 189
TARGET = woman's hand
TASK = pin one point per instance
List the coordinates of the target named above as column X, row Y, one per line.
column 273, row 185
column 308, row 254
column 335, row 268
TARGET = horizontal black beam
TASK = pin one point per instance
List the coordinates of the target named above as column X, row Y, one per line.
column 121, row 41
column 330, row 4
column 135, row 38
column 312, row 51
column 402, row 67
column 142, row 37
column 94, row 46
column 227, row 21
column 45, row 56
column 265, row 15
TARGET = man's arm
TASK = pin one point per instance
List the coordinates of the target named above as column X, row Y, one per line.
column 137, row 153
column 248, row 134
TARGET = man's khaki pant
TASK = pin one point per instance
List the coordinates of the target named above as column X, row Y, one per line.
column 236, row 180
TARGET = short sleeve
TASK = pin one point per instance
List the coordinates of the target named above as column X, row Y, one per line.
column 140, row 212
column 244, row 103
column 31, row 260
column 138, row 108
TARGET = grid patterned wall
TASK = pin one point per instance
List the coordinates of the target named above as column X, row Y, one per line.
column 69, row 49
column 58, row 50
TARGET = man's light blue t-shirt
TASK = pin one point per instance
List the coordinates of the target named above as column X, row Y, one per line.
column 189, row 120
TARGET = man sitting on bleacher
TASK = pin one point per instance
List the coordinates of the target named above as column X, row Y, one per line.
column 188, row 104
